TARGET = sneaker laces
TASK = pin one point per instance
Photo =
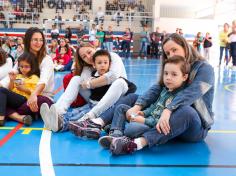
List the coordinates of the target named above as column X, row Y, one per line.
column 129, row 146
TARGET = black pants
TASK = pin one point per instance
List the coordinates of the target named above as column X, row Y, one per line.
column 10, row 99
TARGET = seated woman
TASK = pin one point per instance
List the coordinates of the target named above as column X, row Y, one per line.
column 84, row 68
column 102, row 61
column 189, row 116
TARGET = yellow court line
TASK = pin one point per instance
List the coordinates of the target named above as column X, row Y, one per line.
column 223, row 131
column 27, row 130
column 227, row 87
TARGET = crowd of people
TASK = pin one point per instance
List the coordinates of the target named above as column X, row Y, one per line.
column 100, row 94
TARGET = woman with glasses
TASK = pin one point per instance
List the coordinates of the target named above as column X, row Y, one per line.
column 35, row 44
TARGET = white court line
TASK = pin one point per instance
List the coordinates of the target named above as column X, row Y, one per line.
column 45, row 157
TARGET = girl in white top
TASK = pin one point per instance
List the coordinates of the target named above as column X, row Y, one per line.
column 5, row 64
column 35, row 43
column 84, row 68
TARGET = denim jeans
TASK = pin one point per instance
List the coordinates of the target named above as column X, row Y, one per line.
column 109, row 46
column 226, row 54
column 185, row 124
column 129, row 100
column 75, row 114
column 143, row 49
column 132, row 129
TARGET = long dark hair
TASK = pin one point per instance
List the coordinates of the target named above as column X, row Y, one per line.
column 27, row 40
column 3, row 57
column 31, row 60
column 191, row 55
column 79, row 62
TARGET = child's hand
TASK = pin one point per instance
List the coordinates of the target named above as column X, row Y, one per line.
column 20, row 87
column 163, row 125
column 61, row 61
column 85, row 85
column 133, row 111
column 138, row 118
column 12, row 76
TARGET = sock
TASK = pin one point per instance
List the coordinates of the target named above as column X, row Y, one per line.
column 98, row 121
column 139, row 143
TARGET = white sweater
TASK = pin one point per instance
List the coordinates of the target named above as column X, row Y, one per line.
column 6, row 68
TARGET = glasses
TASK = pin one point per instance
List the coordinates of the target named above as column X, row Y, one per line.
column 37, row 40
column 24, row 66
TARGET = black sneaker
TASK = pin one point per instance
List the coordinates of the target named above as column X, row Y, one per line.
column 27, row 120
column 122, row 145
column 88, row 132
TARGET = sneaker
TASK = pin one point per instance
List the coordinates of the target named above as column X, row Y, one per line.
column 87, row 116
column 27, row 120
column 85, row 128
column 122, row 145
column 105, row 141
column 44, row 112
column 56, row 120
column 84, row 124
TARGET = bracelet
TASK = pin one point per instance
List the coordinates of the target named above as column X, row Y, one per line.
column 88, row 84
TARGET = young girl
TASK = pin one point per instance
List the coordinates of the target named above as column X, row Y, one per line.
column 102, row 61
column 174, row 74
column 61, row 60
column 20, row 88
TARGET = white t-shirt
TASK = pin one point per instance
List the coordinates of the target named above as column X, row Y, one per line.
column 117, row 69
column 46, row 76
column 6, row 68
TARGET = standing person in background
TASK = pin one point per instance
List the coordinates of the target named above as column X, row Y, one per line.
column 125, row 45
column 155, row 38
column 232, row 41
column 80, row 34
column 54, row 32
column 223, row 37
column 144, row 40
column 207, row 44
column 100, row 36
column 92, row 33
column 109, row 39
column 68, row 33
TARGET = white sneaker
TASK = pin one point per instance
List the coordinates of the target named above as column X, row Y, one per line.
column 54, row 118
column 45, row 114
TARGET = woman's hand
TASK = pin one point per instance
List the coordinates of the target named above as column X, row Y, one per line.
column 163, row 125
column 86, row 85
column 133, row 111
column 32, row 103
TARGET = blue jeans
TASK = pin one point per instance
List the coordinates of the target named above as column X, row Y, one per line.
column 75, row 115
column 129, row 99
column 226, row 54
column 143, row 48
column 132, row 129
column 109, row 46
column 185, row 124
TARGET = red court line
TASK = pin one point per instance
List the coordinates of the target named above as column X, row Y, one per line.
column 14, row 130
column 10, row 134
column 58, row 90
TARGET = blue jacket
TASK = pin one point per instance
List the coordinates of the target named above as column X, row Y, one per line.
column 198, row 93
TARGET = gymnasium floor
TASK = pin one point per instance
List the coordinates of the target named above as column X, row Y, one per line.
column 34, row 151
